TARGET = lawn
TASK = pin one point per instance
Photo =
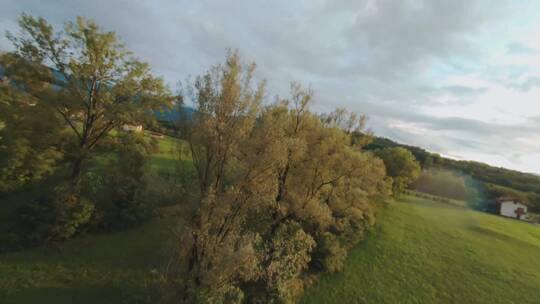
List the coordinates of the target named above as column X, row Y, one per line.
column 99, row 268
column 427, row 252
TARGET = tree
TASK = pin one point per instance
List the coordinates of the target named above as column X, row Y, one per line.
column 401, row 165
column 215, row 252
column 87, row 77
column 272, row 180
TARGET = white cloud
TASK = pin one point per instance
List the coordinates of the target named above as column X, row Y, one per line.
column 457, row 77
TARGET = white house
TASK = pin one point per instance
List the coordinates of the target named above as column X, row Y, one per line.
column 132, row 128
column 510, row 207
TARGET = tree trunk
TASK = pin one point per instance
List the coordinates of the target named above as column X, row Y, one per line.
column 76, row 171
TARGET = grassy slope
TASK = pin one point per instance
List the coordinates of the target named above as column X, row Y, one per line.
column 427, row 252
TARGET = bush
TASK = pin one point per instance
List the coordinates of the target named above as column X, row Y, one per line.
column 56, row 216
column 124, row 203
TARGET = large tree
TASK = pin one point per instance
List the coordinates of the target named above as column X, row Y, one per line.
column 280, row 189
column 87, row 76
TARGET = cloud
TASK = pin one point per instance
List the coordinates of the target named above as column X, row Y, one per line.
column 461, row 90
column 411, row 65
column 526, row 85
column 516, row 48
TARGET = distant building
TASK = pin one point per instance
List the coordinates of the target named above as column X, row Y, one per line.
column 511, row 207
column 132, row 128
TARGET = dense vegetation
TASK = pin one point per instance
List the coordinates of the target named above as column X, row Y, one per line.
column 281, row 194
column 65, row 167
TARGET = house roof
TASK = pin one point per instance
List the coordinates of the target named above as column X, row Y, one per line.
column 506, row 198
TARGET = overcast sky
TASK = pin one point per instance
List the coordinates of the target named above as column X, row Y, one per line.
column 457, row 77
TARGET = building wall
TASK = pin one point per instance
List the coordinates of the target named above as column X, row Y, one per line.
column 132, row 128
column 509, row 208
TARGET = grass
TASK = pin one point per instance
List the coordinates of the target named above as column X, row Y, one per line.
column 101, row 268
column 427, row 252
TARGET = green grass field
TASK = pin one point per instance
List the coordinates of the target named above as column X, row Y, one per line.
column 99, row 268
column 427, row 252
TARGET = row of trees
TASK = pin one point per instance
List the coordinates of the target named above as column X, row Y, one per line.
column 280, row 193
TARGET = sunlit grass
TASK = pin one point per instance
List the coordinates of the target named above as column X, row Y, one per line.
column 427, row 252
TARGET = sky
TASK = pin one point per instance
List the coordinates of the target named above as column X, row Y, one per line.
column 456, row 77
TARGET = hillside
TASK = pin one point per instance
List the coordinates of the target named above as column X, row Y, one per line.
column 491, row 181
column 427, row 252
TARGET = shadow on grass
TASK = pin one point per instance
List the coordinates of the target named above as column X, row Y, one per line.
column 73, row 294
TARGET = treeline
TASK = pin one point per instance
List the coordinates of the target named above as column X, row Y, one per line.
column 493, row 182
column 274, row 194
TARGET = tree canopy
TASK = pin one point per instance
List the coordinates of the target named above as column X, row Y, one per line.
column 86, row 76
column 401, row 165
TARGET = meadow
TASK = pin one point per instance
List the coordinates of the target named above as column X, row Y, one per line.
column 423, row 251
column 97, row 268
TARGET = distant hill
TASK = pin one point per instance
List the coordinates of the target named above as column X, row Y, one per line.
column 174, row 114
column 494, row 181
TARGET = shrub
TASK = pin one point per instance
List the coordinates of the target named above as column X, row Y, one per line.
column 56, row 216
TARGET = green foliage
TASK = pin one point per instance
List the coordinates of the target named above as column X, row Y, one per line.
column 127, row 201
column 56, row 216
column 290, row 254
column 26, row 156
column 85, row 76
column 401, row 165
column 271, row 181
